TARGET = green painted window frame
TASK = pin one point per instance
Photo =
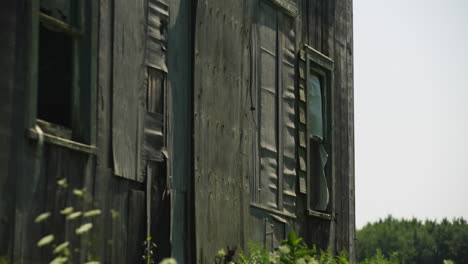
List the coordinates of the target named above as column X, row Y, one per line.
column 81, row 136
column 322, row 66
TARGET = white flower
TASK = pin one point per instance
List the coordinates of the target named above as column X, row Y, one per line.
column 168, row 261
column 59, row 260
column 221, row 253
column 83, row 228
column 74, row 215
column 92, row 213
column 61, row 247
column 314, row 261
column 77, row 192
column 45, row 240
column 67, row 210
column 284, row 250
column 62, row 183
column 273, row 257
column 301, row 261
column 42, row 217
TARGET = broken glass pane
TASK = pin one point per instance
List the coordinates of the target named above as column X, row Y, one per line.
column 318, row 181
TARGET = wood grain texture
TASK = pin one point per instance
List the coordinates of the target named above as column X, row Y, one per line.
column 220, row 107
column 129, row 35
column 7, row 82
column 200, row 194
column 323, row 25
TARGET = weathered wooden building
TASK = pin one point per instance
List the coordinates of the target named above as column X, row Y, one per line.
column 202, row 123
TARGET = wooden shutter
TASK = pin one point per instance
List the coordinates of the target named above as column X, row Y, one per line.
column 128, row 85
column 277, row 109
column 288, row 111
column 268, row 84
column 139, row 77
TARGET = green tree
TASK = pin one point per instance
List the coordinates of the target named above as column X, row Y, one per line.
column 415, row 241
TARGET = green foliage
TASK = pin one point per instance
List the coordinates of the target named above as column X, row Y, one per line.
column 291, row 251
column 295, row 251
column 257, row 254
column 150, row 246
column 379, row 258
column 415, row 241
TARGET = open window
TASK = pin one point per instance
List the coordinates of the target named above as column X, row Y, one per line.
column 64, row 105
column 318, row 137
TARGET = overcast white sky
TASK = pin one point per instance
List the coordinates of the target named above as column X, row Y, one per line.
column 411, row 108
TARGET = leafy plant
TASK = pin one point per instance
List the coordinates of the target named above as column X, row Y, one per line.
column 148, row 256
column 291, row 251
column 294, row 249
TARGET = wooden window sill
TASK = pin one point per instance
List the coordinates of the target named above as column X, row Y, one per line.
column 272, row 211
column 58, row 25
column 62, row 142
column 321, row 215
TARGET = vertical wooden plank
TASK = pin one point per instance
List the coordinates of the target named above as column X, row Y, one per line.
column 288, row 113
column 350, row 124
column 104, row 80
column 269, row 106
column 7, row 82
column 180, row 127
column 119, row 223
column 319, row 28
column 330, row 33
column 160, row 211
column 280, row 115
column 312, row 22
column 136, row 226
column 25, row 117
column 128, row 85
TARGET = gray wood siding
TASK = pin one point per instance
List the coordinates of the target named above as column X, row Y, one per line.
column 223, row 193
column 200, row 191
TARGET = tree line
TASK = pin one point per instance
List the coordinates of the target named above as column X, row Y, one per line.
column 414, row 241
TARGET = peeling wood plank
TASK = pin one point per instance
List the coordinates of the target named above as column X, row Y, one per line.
column 128, row 85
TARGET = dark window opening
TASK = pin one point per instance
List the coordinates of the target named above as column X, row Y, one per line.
column 155, row 91
column 316, row 125
column 61, row 10
column 55, row 77
column 319, row 192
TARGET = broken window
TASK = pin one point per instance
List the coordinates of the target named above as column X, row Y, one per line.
column 318, row 132
column 63, row 90
column 318, row 156
column 55, row 77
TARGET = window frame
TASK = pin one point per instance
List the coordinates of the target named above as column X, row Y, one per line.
column 322, row 66
column 81, row 135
